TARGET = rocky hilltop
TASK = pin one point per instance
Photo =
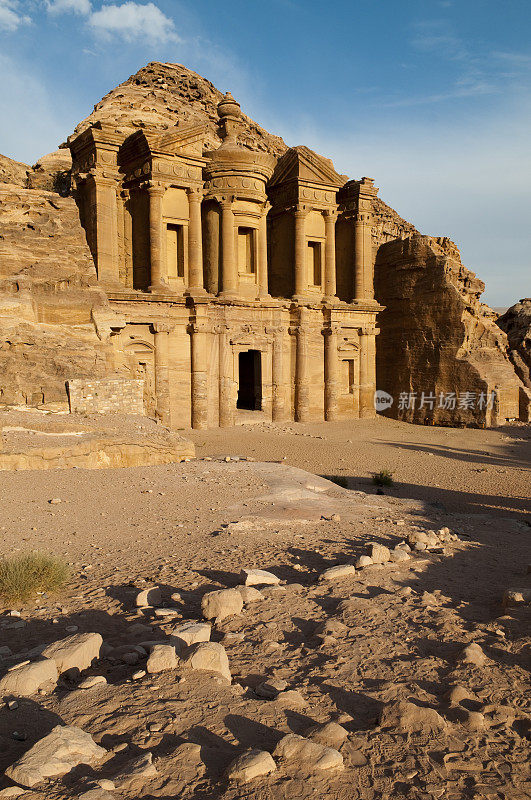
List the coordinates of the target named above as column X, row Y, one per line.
column 516, row 322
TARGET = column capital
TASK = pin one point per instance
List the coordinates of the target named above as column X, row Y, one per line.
column 266, row 207
column 301, row 210
column 155, row 189
column 332, row 330
column 225, row 201
column 195, row 193
column 162, row 327
column 367, row 330
column 330, row 215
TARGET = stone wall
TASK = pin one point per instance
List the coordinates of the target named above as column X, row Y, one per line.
column 437, row 337
column 109, row 395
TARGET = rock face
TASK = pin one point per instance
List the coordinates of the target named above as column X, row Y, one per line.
column 437, row 337
column 163, row 95
column 59, row 752
column 516, row 322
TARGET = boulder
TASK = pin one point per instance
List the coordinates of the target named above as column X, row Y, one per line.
column 249, row 594
column 314, row 757
column 148, row 597
column 189, row 633
column 404, row 716
column 473, row 654
column 340, row 571
column 379, row 553
column 258, row 577
column 74, row 652
column 28, row 678
column 92, row 681
column 364, row 561
column 209, row 656
column 162, row 658
column 398, row 555
column 330, row 735
column 59, row 752
column 222, row 603
column 251, row 764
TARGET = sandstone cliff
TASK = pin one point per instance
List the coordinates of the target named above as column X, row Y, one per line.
column 437, row 337
column 48, row 297
column 516, row 322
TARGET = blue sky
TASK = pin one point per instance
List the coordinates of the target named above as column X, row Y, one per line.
column 432, row 98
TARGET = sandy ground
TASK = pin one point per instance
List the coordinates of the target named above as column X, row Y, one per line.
column 346, row 648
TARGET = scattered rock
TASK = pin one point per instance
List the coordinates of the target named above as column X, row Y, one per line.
column 249, row 594
column 161, row 658
column 92, row 681
column 148, row 597
column 331, row 734
column 74, row 652
column 26, row 679
column 473, row 654
column 291, row 699
column 340, row 571
column 314, row 757
column 141, row 767
column 515, row 597
column 59, row 752
column 457, row 693
column 190, row 633
column 364, row 561
column 379, row 553
column 398, row 555
column 258, row 577
column 222, row 603
column 271, row 688
column 249, row 765
column 408, row 717
column 209, row 656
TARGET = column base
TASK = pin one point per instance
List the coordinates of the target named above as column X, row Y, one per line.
column 160, row 288
column 195, row 291
column 229, row 296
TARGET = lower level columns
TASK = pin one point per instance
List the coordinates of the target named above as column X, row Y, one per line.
column 330, row 374
column 279, row 411
column 199, row 359
column 162, row 372
column 367, row 372
column 226, row 405
column 302, row 370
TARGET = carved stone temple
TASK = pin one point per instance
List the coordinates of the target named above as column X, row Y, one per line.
column 242, row 281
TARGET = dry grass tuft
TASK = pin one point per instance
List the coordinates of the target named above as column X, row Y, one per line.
column 383, row 478
column 22, row 576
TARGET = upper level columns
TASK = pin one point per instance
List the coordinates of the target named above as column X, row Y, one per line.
column 195, row 243
column 301, row 276
column 106, row 229
column 330, row 217
column 363, row 253
column 229, row 268
column 158, row 275
column 263, row 290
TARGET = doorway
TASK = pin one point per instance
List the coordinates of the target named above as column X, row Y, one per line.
column 250, row 380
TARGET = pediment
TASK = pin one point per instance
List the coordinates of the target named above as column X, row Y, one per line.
column 301, row 163
column 185, row 141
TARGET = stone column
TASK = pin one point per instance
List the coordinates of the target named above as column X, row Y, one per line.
column 162, row 371
column 330, row 373
column 199, row 359
column 367, row 371
column 128, row 240
column 263, row 287
column 226, row 409
column 229, row 268
column 159, row 276
column 195, row 243
column 330, row 217
column 301, row 267
column 106, row 230
column 302, row 385
column 363, row 258
column 279, row 411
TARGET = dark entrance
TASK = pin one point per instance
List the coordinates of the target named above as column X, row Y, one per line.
column 250, row 380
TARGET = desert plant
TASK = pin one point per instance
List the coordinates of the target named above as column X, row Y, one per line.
column 383, row 478
column 22, row 576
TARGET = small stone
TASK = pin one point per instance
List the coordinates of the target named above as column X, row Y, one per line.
column 291, row 699
column 405, row 716
column 258, row 577
column 140, row 673
column 55, row 755
column 311, row 755
column 473, row 654
column 161, row 658
column 220, row 604
column 379, row 553
column 209, row 656
column 473, row 720
column 271, row 688
column 141, row 767
column 515, row 597
column 148, row 597
column 340, row 571
column 364, row 561
column 12, row 791
column 92, row 681
column 55, row 501
column 12, row 705
column 335, row 518
column 457, row 693
column 163, row 613
column 105, row 783
column 249, row 765
column 398, row 555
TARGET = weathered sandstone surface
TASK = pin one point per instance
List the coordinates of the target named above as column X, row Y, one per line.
column 437, row 337
column 516, row 322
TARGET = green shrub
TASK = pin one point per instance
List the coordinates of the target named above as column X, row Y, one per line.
column 22, row 576
column 383, row 478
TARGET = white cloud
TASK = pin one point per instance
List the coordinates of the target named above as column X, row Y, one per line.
column 10, row 17
column 134, row 21
column 82, row 7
